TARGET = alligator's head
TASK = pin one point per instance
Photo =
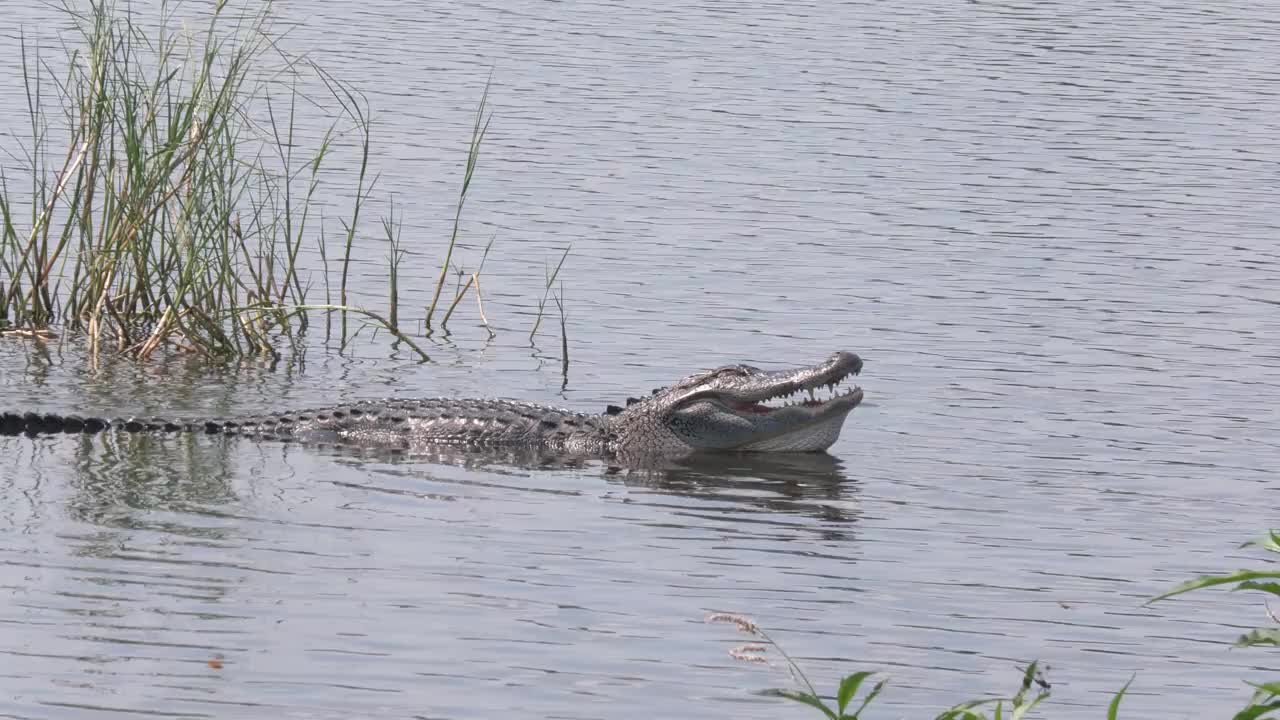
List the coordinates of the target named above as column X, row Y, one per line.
column 743, row 408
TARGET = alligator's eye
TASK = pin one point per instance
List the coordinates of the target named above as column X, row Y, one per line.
column 727, row 371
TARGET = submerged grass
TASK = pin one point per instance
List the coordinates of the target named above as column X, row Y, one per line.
column 164, row 207
column 846, row 703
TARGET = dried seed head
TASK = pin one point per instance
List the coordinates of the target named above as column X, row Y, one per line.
column 744, row 623
column 749, row 653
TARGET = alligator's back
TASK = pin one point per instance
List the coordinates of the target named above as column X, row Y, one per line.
column 391, row 422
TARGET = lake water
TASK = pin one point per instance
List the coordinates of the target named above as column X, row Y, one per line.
column 1048, row 228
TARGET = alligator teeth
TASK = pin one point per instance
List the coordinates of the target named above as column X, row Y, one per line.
column 807, row 397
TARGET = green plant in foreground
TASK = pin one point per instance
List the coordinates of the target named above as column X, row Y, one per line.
column 1034, row 689
column 1019, row 705
column 1266, row 697
column 847, row 692
column 1260, row 580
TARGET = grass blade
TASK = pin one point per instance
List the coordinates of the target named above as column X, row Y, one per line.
column 1214, row 580
column 806, row 698
column 1113, row 709
column 849, row 688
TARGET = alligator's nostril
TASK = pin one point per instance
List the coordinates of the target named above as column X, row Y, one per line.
column 847, row 358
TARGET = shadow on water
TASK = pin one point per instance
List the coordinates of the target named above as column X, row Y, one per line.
column 118, row 479
column 813, row 484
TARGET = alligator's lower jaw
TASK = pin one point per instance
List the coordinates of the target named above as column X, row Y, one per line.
column 813, row 434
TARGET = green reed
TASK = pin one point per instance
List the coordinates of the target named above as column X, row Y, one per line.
column 478, row 131
column 170, row 200
column 550, row 277
column 852, row 696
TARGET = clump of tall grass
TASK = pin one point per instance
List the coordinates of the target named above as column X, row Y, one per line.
column 847, row 703
column 168, row 205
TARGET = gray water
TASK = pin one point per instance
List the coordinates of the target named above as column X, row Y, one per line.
column 1048, row 228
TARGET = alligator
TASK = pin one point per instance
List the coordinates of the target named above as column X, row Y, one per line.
column 735, row 408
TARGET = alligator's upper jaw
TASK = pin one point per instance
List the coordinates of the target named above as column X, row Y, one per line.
column 805, row 392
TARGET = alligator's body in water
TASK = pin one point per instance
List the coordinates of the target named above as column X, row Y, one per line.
column 732, row 408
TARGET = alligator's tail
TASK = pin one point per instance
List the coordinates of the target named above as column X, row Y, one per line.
column 12, row 423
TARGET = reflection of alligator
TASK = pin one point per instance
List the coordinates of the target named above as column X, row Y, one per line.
column 734, row 408
column 794, row 483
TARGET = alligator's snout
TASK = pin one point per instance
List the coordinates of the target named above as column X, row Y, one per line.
column 847, row 362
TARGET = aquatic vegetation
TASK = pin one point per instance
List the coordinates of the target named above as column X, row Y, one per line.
column 1265, row 581
column 1034, row 687
column 1265, row 702
column 478, row 132
column 171, row 202
column 847, row 691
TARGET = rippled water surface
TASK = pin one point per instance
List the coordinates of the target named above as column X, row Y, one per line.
column 1049, row 228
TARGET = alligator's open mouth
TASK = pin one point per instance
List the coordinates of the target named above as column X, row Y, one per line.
column 816, row 399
